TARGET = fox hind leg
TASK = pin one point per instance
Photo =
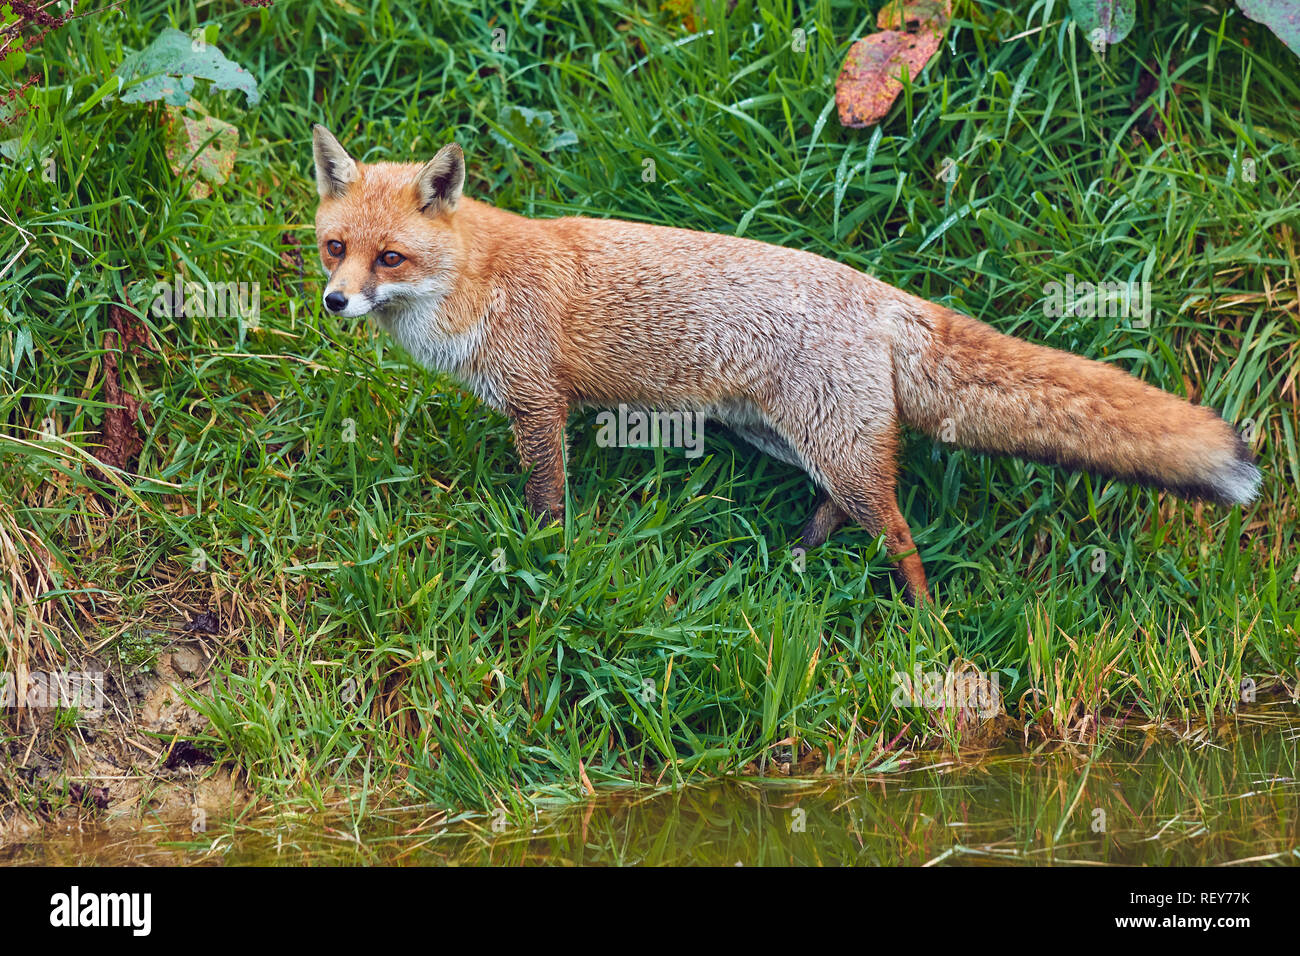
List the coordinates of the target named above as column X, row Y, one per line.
column 827, row 518
column 861, row 489
column 860, row 479
column 876, row 509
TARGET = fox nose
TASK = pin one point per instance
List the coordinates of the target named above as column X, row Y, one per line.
column 336, row 302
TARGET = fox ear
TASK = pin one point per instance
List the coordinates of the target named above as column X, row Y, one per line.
column 335, row 169
column 439, row 183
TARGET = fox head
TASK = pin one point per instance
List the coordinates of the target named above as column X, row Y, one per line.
column 385, row 231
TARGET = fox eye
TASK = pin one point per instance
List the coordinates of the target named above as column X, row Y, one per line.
column 334, row 248
column 391, row 259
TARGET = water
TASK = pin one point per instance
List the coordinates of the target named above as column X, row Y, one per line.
column 1230, row 797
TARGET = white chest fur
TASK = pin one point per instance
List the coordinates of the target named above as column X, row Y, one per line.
column 416, row 322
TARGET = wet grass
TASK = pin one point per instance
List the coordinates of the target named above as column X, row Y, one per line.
column 391, row 620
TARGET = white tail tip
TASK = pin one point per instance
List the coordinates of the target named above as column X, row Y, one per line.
column 1238, row 481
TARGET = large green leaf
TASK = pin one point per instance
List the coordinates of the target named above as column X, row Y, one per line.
column 535, row 128
column 1114, row 18
column 166, row 70
column 1280, row 16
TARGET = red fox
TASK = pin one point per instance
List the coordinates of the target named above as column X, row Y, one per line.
column 807, row 359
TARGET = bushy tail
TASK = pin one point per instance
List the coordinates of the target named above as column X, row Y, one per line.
column 962, row 381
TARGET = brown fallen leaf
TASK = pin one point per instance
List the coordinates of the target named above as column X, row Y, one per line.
column 201, row 149
column 134, row 333
column 870, row 79
column 119, row 438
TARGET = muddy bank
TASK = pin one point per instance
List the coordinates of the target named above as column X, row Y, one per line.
column 123, row 760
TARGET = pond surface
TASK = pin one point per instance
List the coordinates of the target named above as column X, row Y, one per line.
column 1228, row 797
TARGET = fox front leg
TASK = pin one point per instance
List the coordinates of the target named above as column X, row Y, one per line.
column 539, row 435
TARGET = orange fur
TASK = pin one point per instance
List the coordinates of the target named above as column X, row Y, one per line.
column 808, row 359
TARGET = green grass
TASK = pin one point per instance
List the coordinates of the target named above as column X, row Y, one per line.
column 372, row 642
